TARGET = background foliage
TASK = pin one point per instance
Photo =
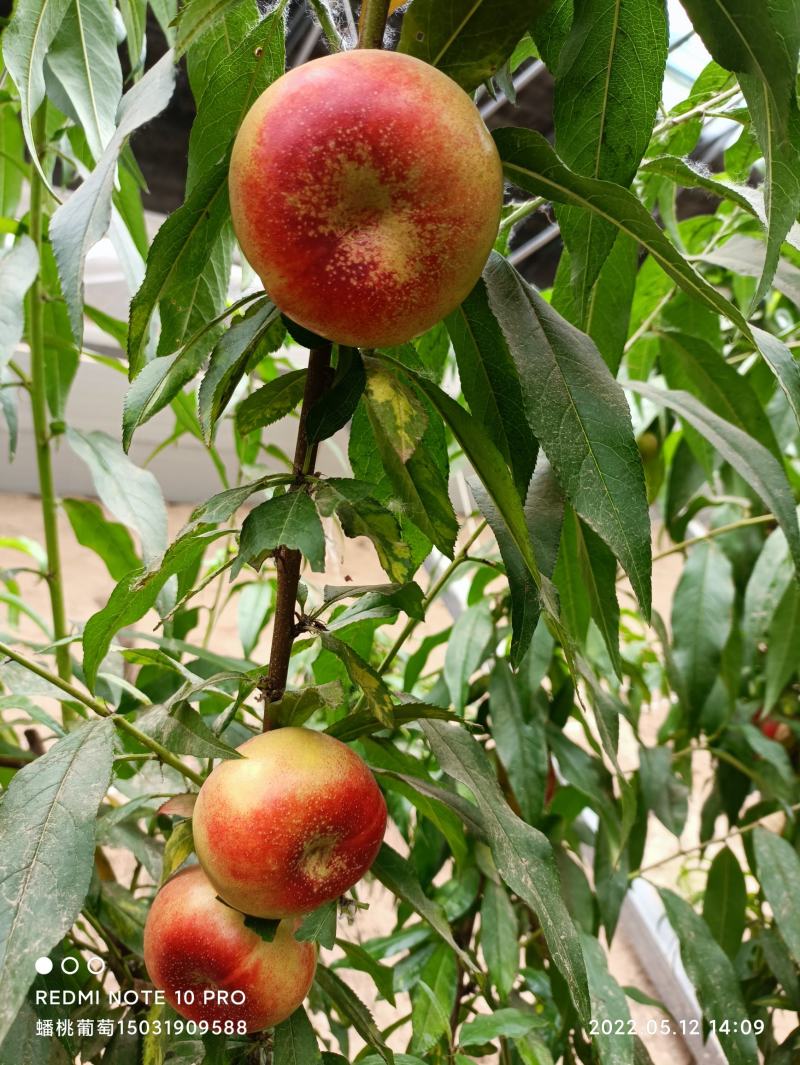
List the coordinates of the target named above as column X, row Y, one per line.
column 657, row 377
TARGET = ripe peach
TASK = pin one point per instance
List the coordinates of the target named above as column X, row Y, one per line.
column 201, row 954
column 294, row 823
column 366, row 193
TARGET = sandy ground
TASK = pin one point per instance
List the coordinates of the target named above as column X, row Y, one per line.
column 87, row 586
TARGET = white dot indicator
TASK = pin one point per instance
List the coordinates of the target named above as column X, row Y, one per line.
column 43, row 966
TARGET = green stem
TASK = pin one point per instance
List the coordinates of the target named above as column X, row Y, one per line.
column 743, row 523
column 54, row 576
column 433, row 592
column 372, row 23
column 327, row 25
column 524, row 210
column 102, row 711
column 684, row 852
column 701, row 109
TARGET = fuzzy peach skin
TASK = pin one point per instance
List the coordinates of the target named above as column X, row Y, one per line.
column 294, row 823
column 366, row 193
column 195, row 943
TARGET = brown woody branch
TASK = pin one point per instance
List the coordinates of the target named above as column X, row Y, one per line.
column 288, row 561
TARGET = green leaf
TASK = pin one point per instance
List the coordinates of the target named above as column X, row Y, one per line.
column 177, row 848
column 499, row 937
column 134, row 16
column 182, row 270
column 377, row 696
column 294, row 1042
column 130, row 493
column 521, row 743
column 24, row 1044
column 134, row 596
column 47, row 822
column 747, row 256
column 364, row 722
column 396, row 414
column 550, row 30
column 432, row 1000
column 753, row 462
column 255, row 604
column 693, row 365
column 469, row 40
column 429, row 806
column 83, row 219
column 760, row 43
column 576, row 418
column 334, row 409
column 182, row 730
column 490, row 383
column 264, row 927
column 779, row 873
column 777, row 777
column 223, row 505
column 725, row 901
column 662, row 789
column 362, row 515
column 597, row 573
column 689, row 174
column 702, row 617
column 197, row 17
column 503, row 1023
column 111, row 541
column 296, row 707
column 356, row 957
column 713, row 977
column 319, row 926
column 273, row 401
column 466, row 649
column 489, row 465
column 418, row 480
column 26, row 41
column 783, row 364
column 522, row 586
column 158, row 384
column 783, row 646
column 289, row 520
column 523, row 855
column 236, row 350
column 395, row 873
column 18, row 269
column 609, row 1005
column 352, row 1011
column 607, row 91
column 609, row 311
column 771, row 576
column 530, row 163
column 83, row 59
column 256, row 59
column 12, row 167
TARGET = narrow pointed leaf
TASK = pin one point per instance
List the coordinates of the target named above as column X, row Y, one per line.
column 523, row 856
column 752, row 461
column 85, row 217
column 779, row 873
column 607, row 91
column 47, row 823
column 579, row 415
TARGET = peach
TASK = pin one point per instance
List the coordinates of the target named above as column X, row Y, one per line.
column 293, row 824
column 211, row 967
column 366, row 193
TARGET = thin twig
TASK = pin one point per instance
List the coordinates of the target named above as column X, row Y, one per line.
column 685, row 851
column 102, row 711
